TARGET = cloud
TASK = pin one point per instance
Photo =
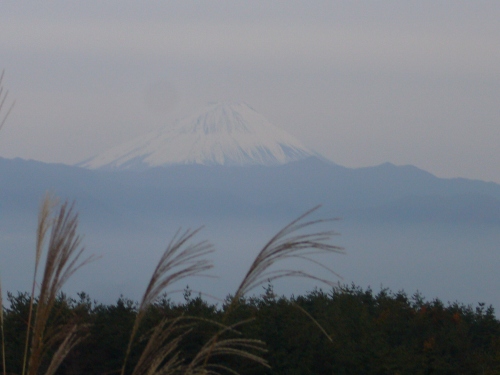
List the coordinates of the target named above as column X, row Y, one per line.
column 373, row 44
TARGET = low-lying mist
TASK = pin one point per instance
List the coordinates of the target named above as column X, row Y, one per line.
column 452, row 262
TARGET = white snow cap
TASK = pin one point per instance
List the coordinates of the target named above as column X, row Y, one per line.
column 224, row 133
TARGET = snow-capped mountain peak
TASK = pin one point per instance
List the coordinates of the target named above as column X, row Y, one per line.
column 225, row 133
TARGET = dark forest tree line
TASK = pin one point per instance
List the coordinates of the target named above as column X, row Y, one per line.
column 346, row 330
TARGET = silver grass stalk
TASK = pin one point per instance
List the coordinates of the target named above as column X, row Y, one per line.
column 44, row 224
column 3, row 98
column 240, row 347
column 62, row 261
column 2, row 334
column 289, row 244
column 162, row 345
column 2, row 101
column 71, row 337
column 180, row 260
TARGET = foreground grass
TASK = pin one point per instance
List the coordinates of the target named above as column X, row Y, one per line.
column 54, row 327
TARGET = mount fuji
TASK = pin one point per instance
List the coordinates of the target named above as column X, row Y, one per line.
column 224, row 133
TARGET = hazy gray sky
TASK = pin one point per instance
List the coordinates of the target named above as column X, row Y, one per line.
column 362, row 82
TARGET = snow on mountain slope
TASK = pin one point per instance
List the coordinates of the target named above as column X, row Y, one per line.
column 225, row 133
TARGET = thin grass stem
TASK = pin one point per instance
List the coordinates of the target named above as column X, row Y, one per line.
column 287, row 245
column 3, row 99
column 44, row 224
column 62, row 261
column 4, row 368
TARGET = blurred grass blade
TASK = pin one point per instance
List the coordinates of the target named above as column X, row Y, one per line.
column 2, row 333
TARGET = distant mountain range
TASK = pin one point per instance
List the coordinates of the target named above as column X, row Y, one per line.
column 382, row 193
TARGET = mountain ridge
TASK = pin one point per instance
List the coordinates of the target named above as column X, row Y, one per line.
column 384, row 192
